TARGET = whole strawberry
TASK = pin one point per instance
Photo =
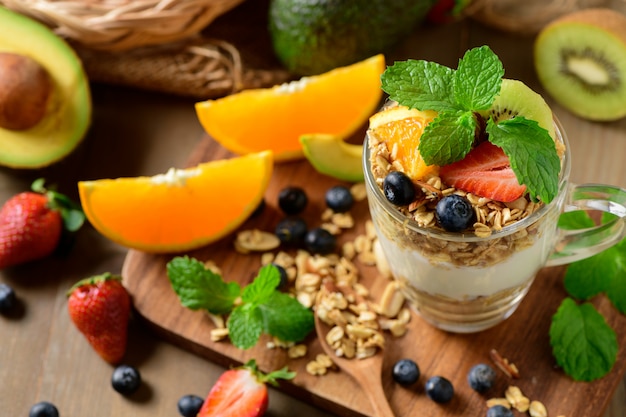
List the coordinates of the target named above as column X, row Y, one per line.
column 100, row 308
column 241, row 392
column 31, row 224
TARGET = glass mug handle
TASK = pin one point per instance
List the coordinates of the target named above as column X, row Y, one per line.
column 577, row 244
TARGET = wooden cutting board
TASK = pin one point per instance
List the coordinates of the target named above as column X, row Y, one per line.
column 522, row 339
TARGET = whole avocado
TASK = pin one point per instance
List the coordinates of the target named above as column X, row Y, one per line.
column 314, row 36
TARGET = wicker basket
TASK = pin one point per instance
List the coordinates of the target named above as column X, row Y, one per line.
column 116, row 25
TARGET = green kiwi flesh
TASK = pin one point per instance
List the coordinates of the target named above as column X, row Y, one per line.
column 580, row 60
column 517, row 99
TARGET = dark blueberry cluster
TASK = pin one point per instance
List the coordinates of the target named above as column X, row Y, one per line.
column 293, row 231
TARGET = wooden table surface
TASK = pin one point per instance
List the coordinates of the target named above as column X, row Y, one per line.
column 42, row 355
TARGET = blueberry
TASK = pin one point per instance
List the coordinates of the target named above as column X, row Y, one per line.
column 291, row 230
column 7, row 298
column 499, row 411
column 126, row 379
column 405, row 372
column 398, row 188
column 439, row 389
column 43, row 409
column 455, row 213
column 320, row 241
column 339, row 199
column 189, row 405
column 284, row 279
column 481, row 377
column 292, row 200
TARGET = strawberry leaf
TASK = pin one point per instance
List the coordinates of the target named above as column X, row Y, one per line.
column 533, row 159
column 477, row 79
column 583, row 344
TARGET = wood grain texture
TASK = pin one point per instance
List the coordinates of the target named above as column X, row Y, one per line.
column 523, row 338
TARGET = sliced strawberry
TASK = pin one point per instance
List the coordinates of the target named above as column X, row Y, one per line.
column 240, row 392
column 486, row 172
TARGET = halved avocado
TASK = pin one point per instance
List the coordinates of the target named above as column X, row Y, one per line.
column 330, row 155
column 68, row 112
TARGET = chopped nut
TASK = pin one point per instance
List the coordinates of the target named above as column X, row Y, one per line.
column 256, row 240
column 392, row 300
column 297, row 351
column 324, row 360
column 505, row 366
column 517, row 399
column 218, row 334
column 315, row 368
column 498, row 401
column 537, row 409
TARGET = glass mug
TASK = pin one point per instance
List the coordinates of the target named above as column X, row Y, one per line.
column 464, row 283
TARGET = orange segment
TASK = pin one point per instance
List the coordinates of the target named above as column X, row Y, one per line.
column 401, row 128
column 337, row 102
column 180, row 210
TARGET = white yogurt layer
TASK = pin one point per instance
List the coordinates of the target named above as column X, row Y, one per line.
column 464, row 282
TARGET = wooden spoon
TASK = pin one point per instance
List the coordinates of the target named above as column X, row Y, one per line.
column 365, row 372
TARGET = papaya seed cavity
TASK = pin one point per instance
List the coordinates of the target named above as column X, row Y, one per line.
column 25, row 87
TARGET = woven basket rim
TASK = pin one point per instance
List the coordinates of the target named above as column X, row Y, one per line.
column 121, row 25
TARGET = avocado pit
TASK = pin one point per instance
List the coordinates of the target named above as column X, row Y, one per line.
column 25, row 87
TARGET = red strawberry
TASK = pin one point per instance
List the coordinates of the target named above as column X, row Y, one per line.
column 241, row 392
column 31, row 224
column 486, row 172
column 100, row 308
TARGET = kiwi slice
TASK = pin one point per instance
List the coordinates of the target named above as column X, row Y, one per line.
column 580, row 60
column 517, row 99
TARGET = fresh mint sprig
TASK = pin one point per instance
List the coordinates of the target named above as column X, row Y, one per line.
column 583, row 343
column 459, row 96
column 254, row 309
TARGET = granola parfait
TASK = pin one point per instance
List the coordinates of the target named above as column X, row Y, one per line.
column 466, row 175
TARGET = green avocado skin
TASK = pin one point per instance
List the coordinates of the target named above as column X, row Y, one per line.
column 314, row 36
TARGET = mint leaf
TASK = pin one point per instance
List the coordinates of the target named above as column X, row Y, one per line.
column 422, row 85
column 582, row 342
column 245, row 325
column 286, row 319
column 532, row 153
column 477, row 79
column 448, row 138
column 200, row 288
column 263, row 286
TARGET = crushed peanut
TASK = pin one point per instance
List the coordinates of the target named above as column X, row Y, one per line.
column 537, row 409
column 517, row 399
